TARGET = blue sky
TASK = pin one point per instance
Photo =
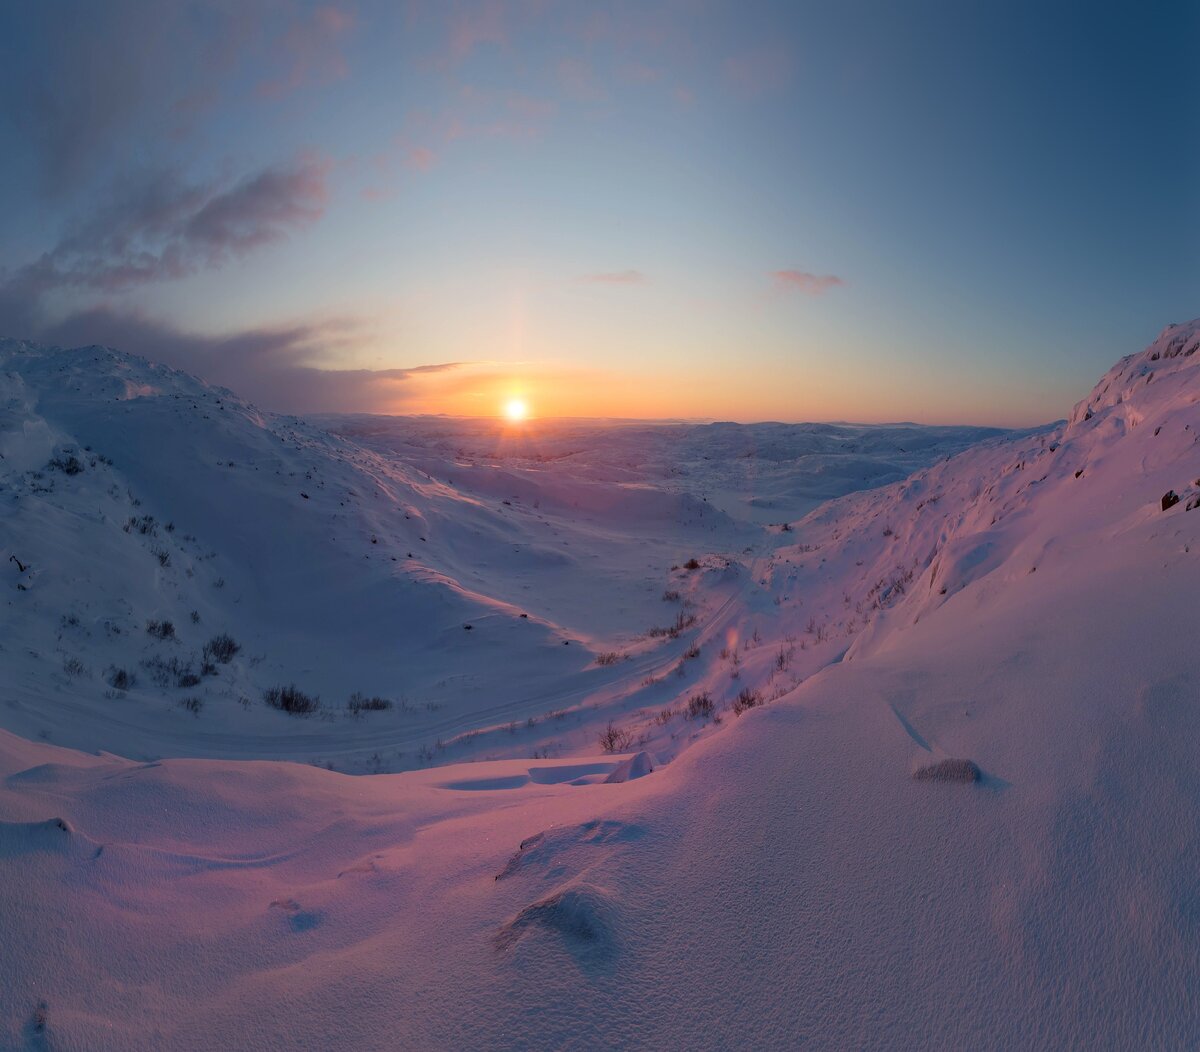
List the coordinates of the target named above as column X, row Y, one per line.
column 945, row 212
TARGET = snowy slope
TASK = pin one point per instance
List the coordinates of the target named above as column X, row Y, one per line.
column 338, row 566
column 786, row 883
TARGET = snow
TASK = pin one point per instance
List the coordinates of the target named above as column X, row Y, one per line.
column 781, row 878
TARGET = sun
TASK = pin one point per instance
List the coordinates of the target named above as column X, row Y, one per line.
column 516, row 410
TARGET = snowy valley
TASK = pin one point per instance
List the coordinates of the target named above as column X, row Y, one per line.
column 370, row 732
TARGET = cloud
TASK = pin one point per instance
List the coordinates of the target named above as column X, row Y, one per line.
column 481, row 24
column 805, row 282
column 164, row 228
column 87, row 85
column 616, row 277
column 71, row 82
column 311, row 49
column 272, row 366
column 421, row 158
column 259, row 210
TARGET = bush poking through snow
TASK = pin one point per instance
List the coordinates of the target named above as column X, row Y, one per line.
column 609, row 657
column 68, row 464
column 360, row 703
column 682, row 621
column 615, row 739
column 173, row 672
column 121, row 679
column 160, row 629
column 193, row 705
column 949, row 770
column 692, row 564
column 221, row 648
column 746, row 699
column 74, row 668
column 700, row 706
column 292, row 700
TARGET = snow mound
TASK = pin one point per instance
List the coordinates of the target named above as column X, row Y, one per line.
column 583, row 916
column 637, row 766
column 552, row 853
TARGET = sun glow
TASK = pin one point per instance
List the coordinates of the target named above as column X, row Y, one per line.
column 516, row 410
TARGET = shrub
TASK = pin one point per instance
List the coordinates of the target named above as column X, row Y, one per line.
column 68, row 464
column 670, row 596
column 165, row 673
column 360, row 703
column 120, row 679
column 615, row 739
column 193, row 705
column 747, row 699
column 700, row 706
column 692, row 564
column 609, row 657
column 682, row 622
column 143, row 524
column 221, row 648
column 292, row 700
column 160, row 629
column 74, row 667
column 162, row 555
column 692, row 652
column 949, row 770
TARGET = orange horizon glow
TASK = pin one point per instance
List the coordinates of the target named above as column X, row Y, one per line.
column 807, row 389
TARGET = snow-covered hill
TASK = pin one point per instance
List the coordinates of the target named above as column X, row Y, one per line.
column 813, row 874
column 467, row 574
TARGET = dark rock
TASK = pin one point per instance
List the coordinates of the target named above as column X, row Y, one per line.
column 1170, row 499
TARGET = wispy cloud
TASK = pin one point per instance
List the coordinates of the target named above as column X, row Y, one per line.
column 311, row 51
column 164, row 228
column 277, row 367
column 480, row 24
column 803, row 281
column 420, row 158
column 93, row 84
column 615, row 277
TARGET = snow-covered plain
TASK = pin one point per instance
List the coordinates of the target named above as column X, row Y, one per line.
column 1022, row 602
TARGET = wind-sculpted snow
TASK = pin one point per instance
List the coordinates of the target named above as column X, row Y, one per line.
column 957, row 808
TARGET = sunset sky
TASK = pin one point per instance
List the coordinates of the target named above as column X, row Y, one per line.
column 944, row 212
